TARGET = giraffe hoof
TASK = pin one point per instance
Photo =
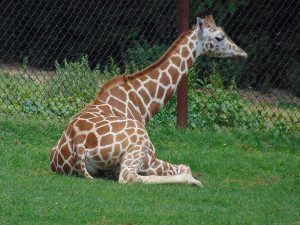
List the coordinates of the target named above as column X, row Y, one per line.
column 194, row 182
column 88, row 176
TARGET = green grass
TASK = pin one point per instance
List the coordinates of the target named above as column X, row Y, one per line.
column 249, row 177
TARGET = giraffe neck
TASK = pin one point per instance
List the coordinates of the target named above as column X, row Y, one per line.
column 142, row 94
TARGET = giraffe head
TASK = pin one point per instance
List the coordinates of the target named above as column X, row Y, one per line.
column 213, row 42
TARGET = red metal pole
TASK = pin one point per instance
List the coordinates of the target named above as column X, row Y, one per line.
column 183, row 19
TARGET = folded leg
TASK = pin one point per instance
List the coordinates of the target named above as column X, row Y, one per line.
column 138, row 166
column 156, row 167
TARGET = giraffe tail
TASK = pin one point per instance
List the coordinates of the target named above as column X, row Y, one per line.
column 82, row 163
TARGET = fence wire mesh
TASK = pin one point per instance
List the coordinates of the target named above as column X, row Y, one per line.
column 55, row 53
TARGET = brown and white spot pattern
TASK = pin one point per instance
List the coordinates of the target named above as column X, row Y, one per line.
column 108, row 137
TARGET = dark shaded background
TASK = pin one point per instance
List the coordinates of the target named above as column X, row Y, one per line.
column 45, row 31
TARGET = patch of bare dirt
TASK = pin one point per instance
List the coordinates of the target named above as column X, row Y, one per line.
column 273, row 96
column 28, row 72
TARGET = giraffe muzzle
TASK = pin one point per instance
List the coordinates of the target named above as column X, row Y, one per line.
column 239, row 53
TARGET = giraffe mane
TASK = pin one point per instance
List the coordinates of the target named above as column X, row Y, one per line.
column 165, row 56
column 121, row 79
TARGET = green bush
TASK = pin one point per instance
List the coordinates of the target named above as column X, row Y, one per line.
column 213, row 106
column 64, row 94
column 74, row 79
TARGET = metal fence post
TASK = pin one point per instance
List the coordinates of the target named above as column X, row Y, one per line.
column 183, row 19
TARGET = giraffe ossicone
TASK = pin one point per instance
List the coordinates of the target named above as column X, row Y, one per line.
column 108, row 137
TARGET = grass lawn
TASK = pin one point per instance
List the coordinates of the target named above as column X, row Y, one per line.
column 249, row 177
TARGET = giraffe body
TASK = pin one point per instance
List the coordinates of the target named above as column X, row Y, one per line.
column 108, row 137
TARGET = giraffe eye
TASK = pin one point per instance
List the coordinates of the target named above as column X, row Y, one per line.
column 220, row 37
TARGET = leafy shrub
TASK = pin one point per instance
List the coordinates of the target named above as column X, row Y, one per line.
column 74, row 79
column 214, row 106
column 74, row 85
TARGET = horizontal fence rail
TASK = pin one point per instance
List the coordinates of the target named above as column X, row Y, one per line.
column 54, row 55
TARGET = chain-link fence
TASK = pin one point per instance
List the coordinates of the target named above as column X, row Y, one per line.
column 55, row 53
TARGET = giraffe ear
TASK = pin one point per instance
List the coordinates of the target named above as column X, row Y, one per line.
column 209, row 21
column 200, row 24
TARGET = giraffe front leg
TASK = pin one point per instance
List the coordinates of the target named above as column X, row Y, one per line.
column 130, row 164
column 153, row 166
column 135, row 163
column 130, row 175
column 187, row 171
